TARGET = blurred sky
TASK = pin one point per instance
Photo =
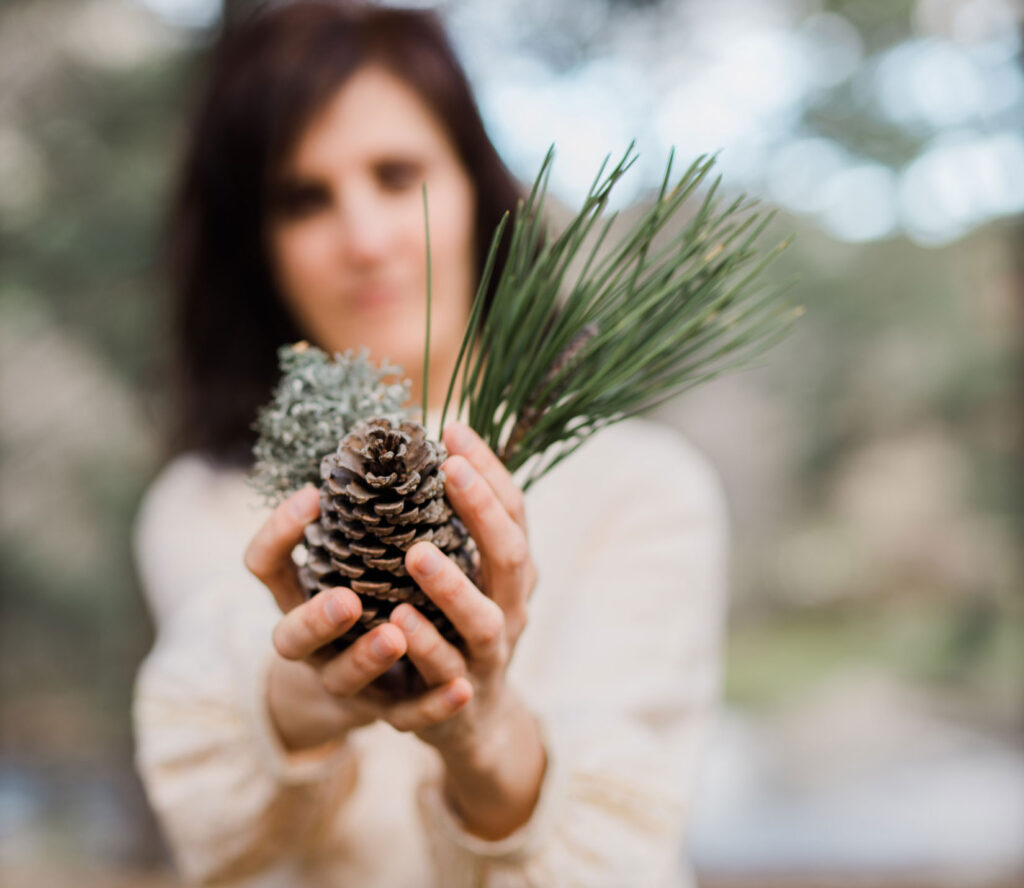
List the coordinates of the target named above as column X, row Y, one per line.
column 761, row 81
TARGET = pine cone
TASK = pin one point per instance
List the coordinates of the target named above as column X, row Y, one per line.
column 382, row 492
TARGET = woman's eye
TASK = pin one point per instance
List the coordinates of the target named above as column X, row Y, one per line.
column 297, row 200
column 398, row 175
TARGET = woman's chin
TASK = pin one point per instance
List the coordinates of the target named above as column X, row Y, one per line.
column 407, row 355
column 398, row 344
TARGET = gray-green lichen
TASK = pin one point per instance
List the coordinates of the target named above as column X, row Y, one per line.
column 318, row 400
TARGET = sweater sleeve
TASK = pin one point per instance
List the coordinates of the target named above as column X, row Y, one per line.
column 230, row 799
column 631, row 674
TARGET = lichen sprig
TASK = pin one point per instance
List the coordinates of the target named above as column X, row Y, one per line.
column 318, row 400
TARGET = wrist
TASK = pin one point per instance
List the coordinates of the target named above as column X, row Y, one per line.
column 494, row 782
column 483, row 743
column 293, row 759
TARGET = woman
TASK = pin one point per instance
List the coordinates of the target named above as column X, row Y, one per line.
column 571, row 762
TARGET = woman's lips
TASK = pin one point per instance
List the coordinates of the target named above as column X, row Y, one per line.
column 375, row 298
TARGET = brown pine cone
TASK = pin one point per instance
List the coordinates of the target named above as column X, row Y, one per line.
column 382, row 492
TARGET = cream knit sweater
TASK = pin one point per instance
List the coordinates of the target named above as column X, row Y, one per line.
column 619, row 661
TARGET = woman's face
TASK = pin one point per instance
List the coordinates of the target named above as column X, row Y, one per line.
column 345, row 226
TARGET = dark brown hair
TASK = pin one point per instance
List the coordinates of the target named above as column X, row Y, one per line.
column 269, row 74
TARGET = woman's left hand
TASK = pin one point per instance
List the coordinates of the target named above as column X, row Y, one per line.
column 490, row 618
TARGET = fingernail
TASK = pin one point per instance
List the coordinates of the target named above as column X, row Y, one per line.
column 381, row 646
column 461, row 474
column 461, row 437
column 457, row 693
column 409, row 621
column 337, row 611
column 428, row 562
column 305, row 504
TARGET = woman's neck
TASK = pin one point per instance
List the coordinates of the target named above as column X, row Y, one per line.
column 440, row 374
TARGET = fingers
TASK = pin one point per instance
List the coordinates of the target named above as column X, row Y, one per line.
column 269, row 555
column 503, row 546
column 430, row 708
column 478, row 619
column 461, row 440
column 367, row 658
column 436, row 659
column 311, row 625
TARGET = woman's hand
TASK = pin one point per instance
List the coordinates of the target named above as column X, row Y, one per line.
column 492, row 749
column 314, row 698
column 490, row 618
column 487, row 738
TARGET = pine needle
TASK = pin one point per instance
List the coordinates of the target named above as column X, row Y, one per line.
column 426, row 350
column 561, row 355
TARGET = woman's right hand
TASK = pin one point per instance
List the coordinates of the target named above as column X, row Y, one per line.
column 313, row 697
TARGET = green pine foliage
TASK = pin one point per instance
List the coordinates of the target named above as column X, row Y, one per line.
column 318, row 400
column 666, row 307
column 639, row 323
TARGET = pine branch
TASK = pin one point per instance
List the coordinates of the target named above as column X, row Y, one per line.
column 640, row 323
column 644, row 319
column 548, row 390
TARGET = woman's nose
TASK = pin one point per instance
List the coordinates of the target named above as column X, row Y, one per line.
column 363, row 228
